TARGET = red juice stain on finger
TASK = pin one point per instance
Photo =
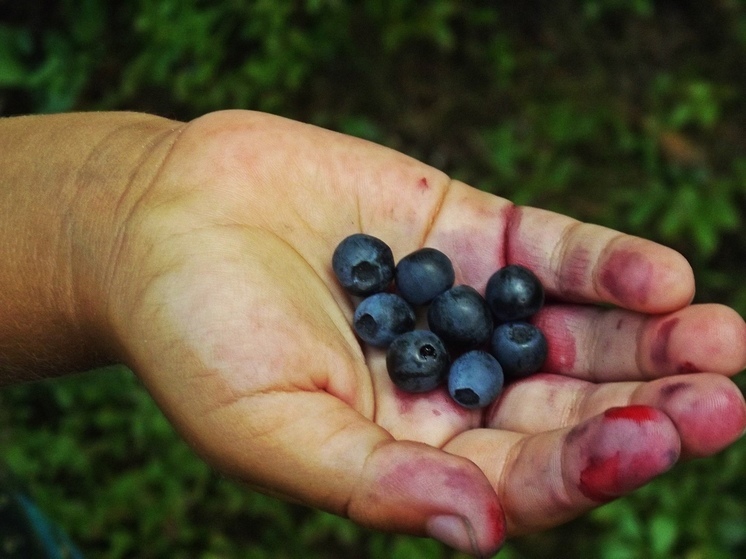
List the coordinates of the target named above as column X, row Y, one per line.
column 511, row 218
column 606, row 478
column 493, row 513
column 687, row 367
column 558, row 327
column 708, row 422
column 599, row 480
column 628, row 276
column 437, row 400
column 497, row 524
column 631, row 446
column 638, row 414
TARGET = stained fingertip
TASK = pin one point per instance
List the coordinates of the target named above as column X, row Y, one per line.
column 620, row 451
column 713, row 340
column 733, row 334
column 709, row 420
column 417, row 489
column 641, row 275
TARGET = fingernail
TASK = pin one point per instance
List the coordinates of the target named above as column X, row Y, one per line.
column 454, row 531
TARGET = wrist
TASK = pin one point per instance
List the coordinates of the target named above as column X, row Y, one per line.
column 114, row 181
column 67, row 184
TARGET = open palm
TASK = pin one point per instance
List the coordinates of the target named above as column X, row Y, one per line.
column 224, row 303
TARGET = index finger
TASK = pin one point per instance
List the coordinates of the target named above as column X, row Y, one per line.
column 576, row 261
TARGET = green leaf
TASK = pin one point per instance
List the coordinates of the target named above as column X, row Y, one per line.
column 14, row 71
column 663, row 534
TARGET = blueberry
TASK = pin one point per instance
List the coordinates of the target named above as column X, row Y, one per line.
column 475, row 379
column 461, row 317
column 423, row 275
column 514, row 293
column 363, row 264
column 382, row 317
column 520, row 347
column 417, row 361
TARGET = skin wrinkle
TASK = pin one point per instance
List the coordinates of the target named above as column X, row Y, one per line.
column 358, row 224
column 602, row 259
column 558, row 256
column 511, row 213
column 509, row 464
column 660, row 346
column 345, row 334
column 592, row 354
column 67, row 282
column 340, row 318
column 576, row 334
column 574, row 410
column 116, row 259
column 340, row 431
column 343, row 507
column 62, row 289
column 444, row 191
column 579, row 404
column 567, row 501
column 598, row 355
column 146, row 154
column 639, row 362
column 478, row 425
column 352, row 496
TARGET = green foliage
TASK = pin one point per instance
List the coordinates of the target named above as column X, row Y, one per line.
column 627, row 114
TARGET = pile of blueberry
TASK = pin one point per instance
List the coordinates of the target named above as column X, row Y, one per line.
column 490, row 335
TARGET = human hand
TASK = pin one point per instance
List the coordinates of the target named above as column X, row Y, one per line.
column 220, row 296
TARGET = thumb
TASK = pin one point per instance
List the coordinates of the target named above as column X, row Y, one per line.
column 325, row 454
column 414, row 488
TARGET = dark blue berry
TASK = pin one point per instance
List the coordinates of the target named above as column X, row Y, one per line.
column 475, row 379
column 514, row 293
column 363, row 264
column 461, row 317
column 520, row 347
column 382, row 317
column 423, row 275
column 417, row 361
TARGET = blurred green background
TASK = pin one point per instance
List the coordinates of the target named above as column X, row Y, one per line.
column 630, row 114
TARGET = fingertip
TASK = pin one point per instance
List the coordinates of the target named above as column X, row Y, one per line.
column 414, row 488
column 730, row 332
column 678, row 279
column 709, row 415
column 646, row 276
column 733, row 334
column 622, row 450
column 707, row 337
